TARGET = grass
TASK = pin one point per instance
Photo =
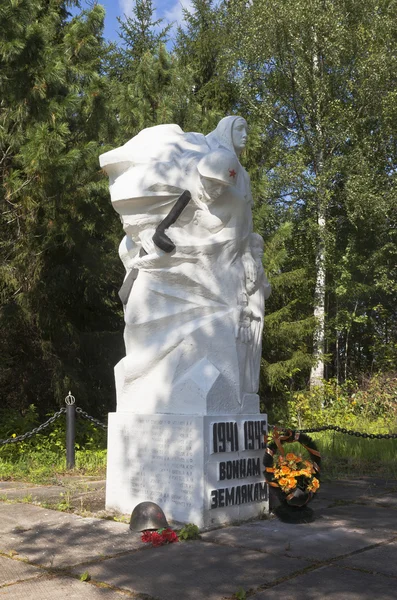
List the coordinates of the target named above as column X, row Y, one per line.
column 343, row 456
column 347, row 456
column 44, row 467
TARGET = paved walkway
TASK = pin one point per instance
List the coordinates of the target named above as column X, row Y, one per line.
column 348, row 553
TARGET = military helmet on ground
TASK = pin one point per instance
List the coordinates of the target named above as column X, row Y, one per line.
column 147, row 515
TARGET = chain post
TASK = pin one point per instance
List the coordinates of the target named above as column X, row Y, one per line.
column 70, row 430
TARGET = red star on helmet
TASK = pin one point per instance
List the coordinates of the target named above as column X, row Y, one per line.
column 232, row 173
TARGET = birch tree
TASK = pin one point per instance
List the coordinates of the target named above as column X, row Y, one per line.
column 317, row 76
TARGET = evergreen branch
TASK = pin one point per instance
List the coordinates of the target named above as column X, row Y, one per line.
column 10, row 194
column 5, row 155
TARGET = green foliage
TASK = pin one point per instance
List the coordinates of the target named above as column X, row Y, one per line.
column 64, row 505
column 313, row 78
column 240, row 594
column 57, row 309
column 141, row 73
column 43, row 456
column 289, row 323
column 370, row 407
column 85, row 576
column 189, row 532
column 200, row 47
column 140, row 34
column 376, row 398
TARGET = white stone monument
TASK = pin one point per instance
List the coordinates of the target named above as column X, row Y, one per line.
column 187, row 433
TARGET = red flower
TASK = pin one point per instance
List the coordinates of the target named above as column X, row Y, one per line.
column 170, row 536
column 157, row 539
column 146, row 536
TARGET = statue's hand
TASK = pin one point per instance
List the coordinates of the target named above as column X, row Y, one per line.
column 208, row 221
column 250, row 286
column 245, row 332
column 251, row 270
column 260, row 275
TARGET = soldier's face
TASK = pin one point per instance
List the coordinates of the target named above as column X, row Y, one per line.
column 212, row 189
column 239, row 134
column 257, row 251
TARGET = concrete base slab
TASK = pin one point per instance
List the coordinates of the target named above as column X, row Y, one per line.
column 193, row 571
column 70, row 485
column 356, row 490
column 310, row 540
column 91, row 501
column 11, row 485
column 55, row 539
column 82, row 495
column 332, row 583
column 59, row 588
column 365, row 491
column 12, row 571
column 380, row 560
column 387, row 501
column 268, row 558
column 20, row 517
column 51, row 494
column 369, row 517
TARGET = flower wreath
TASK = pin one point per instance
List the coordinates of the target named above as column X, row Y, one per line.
column 296, row 479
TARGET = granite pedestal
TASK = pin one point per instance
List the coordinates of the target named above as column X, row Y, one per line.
column 205, row 470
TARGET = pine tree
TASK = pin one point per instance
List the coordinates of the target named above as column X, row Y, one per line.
column 200, row 51
column 140, row 34
column 141, row 72
column 58, row 254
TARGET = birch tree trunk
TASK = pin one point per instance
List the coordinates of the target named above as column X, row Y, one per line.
column 317, row 371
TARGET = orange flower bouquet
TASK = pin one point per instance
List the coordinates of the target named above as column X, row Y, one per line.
column 292, row 471
column 296, row 479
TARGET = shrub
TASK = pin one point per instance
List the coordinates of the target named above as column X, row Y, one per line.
column 370, row 406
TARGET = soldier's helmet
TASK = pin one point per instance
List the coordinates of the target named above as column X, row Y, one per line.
column 147, row 515
column 219, row 165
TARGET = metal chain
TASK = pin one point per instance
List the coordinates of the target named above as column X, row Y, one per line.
column 371, row 436
column 89, row 418
column 29, row 434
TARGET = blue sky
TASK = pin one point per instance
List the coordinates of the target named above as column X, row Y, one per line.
column 169, row 10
